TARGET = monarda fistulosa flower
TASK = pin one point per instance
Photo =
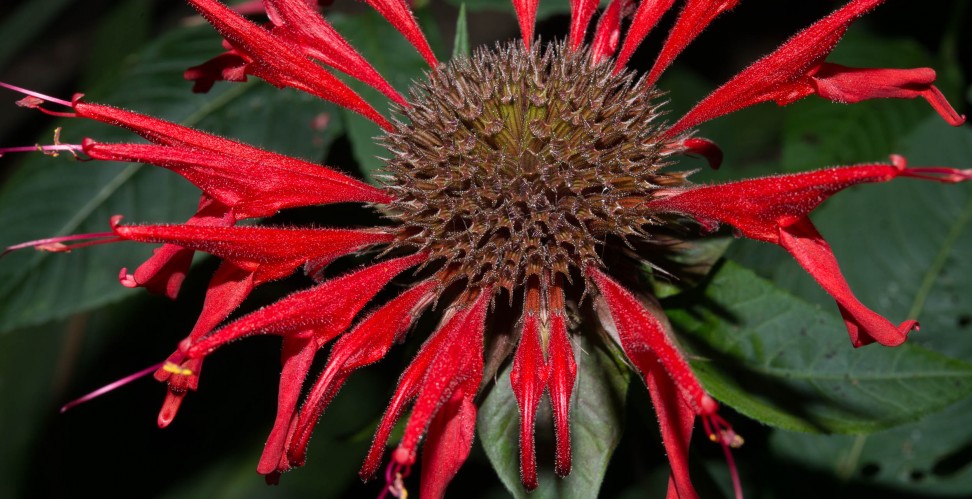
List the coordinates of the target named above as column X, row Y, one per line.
column 529, row 179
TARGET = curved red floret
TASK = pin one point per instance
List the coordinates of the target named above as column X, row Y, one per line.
column 797, row 69
column 774, row 210
column 276, row 61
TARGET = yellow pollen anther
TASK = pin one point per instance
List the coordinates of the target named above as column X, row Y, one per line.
column 176, row 369
column 729, row 438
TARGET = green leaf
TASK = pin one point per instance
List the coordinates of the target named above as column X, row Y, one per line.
column 38, row 287
column 21, row 26
column 919, row 249
column 396, row 60
column 28, row 385
column 121, row 32
column 460, row 46
column 596, row 419
column 784, row 362
column 933, row 456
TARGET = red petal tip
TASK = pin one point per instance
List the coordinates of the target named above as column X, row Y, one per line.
column 170, row 407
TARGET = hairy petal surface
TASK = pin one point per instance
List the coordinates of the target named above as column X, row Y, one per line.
column 303, row 25
column 526, row 15
column 774, row 209
column 327, row 308
column 368, row 342
column 279, row 63
column 645, row 19
column 696, row 15
column 797, row 69
column 249, row 188
column 608, row 30
column 528, row 379
column 581, row 12
column 448, row 444
column 400, row 16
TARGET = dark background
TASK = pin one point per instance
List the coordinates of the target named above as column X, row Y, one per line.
column 111, row 447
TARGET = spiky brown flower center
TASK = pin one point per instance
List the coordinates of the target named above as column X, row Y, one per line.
column 515, row 163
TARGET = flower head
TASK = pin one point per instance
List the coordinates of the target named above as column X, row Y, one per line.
column 528, row 179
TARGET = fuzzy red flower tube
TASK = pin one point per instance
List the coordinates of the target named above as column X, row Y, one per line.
column 775, row 209
column 527, row 189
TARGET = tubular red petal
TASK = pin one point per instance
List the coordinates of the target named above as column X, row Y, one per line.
column 697, row 146
column 227, row 290
column 696, row 15
column 608, row 31
column 252, row 189
column 279, row 63
column 448, row 444
column 528, row 379
column 170, row 134
column 581, row 12
column 645, row 19
column 398, row 14
column 783, row 75
column 297, row 357
column 228, row 66
column 164, row 272
column 675, row 418
column 560, row 385
column 368, row 342
column 774, row 209
column 302, row 426
column 849, row 85
column 327, row 308
column 644, row 338
column 268, row 251
column 813, row 253
column 170, row 407
column 408, row 388
column 526, row 14
column 306, row 28
column 459, row 366
column 758, row 207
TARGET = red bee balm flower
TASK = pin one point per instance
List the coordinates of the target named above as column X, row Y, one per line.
column 513, row 174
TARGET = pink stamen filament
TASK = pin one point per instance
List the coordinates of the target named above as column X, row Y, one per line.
column 59, row 114
column 394, row 479
column 72, row 148
column 939, row 174
column 721, row 432
column 31, row 93
column 111, row 386
column 57, row 243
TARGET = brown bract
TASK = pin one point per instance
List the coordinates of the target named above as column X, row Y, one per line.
column 518, row 160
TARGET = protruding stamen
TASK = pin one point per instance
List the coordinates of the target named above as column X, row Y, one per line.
column 31, row 93
column 32, row 102
column 111, row 386
column 395, row 475
column 939, row 174
column 56, row 244
column 51, row 150
column 721, row 432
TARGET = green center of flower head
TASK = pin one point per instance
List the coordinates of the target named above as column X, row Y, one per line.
column 517, row 161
